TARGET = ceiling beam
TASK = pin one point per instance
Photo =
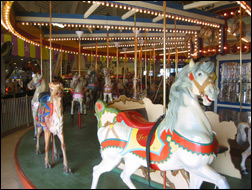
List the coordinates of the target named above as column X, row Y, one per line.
column 128, row 14
column 199, row 4
column 158, row 18
column 74, row 6
column 91, row 10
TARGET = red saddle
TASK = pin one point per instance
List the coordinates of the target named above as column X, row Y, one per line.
column 134, row 119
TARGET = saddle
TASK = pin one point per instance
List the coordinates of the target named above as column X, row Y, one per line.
column 43, row 108
column 137, row 121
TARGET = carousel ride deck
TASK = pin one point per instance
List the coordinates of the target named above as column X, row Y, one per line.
column 83, row 154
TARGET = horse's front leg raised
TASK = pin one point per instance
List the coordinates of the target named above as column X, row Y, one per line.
column 47, row 135
column 63, row 148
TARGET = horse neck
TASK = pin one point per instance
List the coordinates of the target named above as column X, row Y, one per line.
column 192, row 118
column 41, row 88
column 79, row 87
column 107, row 80
column 57, row 106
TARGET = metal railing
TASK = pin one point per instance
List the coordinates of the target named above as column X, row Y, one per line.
column 15, row 112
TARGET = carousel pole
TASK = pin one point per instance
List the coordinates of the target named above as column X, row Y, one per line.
column 149, row 69
column 141, row 61
column 91, row 53
column 145, row 63
column 96, row 58
column 107, row 47
column 164, row 77
column 61, row 57
column 117, row 63
column 154, row 64
column 41, row 51
column 124, row 70
column 50, row 55
column 135, row 62
column 176, row 49
column 240, row 62
column 79, row 33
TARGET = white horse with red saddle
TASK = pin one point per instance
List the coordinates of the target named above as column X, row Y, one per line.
column 184, row 139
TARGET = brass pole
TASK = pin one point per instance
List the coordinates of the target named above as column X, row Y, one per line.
column 164, row 77
column 96, row 52
column 141, row 60
column 41, row 50
column 50, row 5
column 149, row 68
column 117, row 63
column 240, row 62
column 79, row 55
column 176, row 49
column 154, row 64
column 107, row 48
column 145, row 62
column 135, row 63
column 124, row 71
column 61, row 57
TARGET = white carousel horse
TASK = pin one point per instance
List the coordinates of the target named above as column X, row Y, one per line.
column 38, row 83
column 183, row 140
column 108, row 87
column 78, row 84
column 241, row 139
column 50, row 119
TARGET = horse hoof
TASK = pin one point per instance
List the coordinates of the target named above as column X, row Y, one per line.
column 48, row 165
column 57, row 156
column 34, row 137
column 38, row 152
column 67, row 170
column 245, row 172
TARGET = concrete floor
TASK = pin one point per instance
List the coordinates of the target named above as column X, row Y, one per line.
column 9, row 178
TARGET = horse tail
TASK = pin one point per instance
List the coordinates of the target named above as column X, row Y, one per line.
column 153, row 129
column 241, row 133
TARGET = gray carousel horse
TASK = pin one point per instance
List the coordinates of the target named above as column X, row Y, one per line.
column 78, row 84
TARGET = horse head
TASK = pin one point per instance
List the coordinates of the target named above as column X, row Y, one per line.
column 106, row 72
column 35, row 82
column 56, row 89
column 202, row 79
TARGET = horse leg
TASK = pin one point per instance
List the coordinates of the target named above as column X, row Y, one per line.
column 110, row 97
column 47, row 135
column 34, row 112
column 63, row 148
column 129, row 168
column 39, row 131
column 56, row 154
column 206, row 173
column 106, row 165
column 85, row 108
column 81, row 106
column 245, row 154
column 72, row 108
column 195, row 182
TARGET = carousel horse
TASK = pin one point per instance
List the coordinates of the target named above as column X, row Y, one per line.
column 241, row 138
column 78, row 84
column 183, row 140
column 38, row 83
column 108, row 87
column 92, row 85
column 50, row 119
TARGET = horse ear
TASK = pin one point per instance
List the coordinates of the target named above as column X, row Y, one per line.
column 191, row 64
column 100, row 105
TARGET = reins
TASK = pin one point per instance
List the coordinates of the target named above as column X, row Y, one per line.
column 153, row 129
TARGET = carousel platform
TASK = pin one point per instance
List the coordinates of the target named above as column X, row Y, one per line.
column 83, row 154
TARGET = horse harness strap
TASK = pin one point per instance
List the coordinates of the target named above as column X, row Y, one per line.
column 202, row 87
column 111, row 128
column 153, row 129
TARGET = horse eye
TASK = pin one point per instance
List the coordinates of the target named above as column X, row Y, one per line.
column 200, row 74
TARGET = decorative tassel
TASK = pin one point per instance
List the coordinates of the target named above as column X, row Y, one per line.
column 51, row 108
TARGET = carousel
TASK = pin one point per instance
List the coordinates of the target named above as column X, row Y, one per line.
column 140, row 94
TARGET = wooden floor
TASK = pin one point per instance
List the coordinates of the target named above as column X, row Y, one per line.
column 83, row 154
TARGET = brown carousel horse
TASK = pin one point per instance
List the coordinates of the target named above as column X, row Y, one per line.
column 50, row 119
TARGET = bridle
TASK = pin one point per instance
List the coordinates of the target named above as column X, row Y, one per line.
column 35, row 84
column 201, row 88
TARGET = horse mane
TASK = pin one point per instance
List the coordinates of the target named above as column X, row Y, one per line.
column 181, row 86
